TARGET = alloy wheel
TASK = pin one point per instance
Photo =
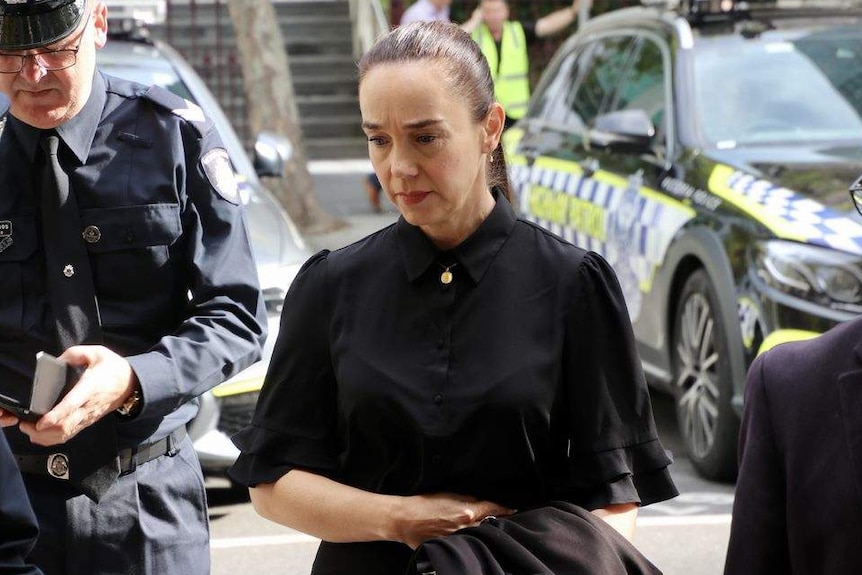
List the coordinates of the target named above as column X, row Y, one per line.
column 698, row 394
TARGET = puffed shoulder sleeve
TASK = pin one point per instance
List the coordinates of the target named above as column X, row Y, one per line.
column 294, row 421
column 615, row 455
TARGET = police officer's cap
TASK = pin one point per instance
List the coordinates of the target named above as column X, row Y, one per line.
column 26, row 24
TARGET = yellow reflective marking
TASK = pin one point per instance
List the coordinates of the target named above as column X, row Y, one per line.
column 777, row 225
column 561, row 208
column 615, row 181
column 570, row 211
column 237, row 387
column 785, row 336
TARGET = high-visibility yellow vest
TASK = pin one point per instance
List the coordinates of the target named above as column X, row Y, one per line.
column 510, row 73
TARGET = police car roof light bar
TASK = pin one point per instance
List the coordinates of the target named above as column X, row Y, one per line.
column 701, row 13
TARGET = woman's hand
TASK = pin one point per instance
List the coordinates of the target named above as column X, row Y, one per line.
column 423, row 517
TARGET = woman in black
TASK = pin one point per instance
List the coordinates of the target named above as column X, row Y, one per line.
column 458, row 364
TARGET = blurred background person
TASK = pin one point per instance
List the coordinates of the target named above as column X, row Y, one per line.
column 505, row 44
column 427, row 11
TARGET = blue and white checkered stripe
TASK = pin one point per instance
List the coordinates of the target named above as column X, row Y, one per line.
column 818, row 224
column 646, row 238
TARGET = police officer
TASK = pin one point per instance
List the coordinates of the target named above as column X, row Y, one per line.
column 123, row 249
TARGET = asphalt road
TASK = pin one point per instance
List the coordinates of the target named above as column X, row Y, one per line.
column 685, row 536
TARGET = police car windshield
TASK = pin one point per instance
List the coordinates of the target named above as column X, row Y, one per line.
column 780, row 88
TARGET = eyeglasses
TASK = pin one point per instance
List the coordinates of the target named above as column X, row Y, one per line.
column 49, row 60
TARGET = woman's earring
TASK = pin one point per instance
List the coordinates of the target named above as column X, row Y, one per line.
column 492, row 157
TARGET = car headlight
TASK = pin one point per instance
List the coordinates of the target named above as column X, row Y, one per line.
column 820, row 275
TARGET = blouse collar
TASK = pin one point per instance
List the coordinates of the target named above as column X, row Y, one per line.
column 474, row 254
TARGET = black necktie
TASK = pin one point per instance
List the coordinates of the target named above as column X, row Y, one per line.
column 92, row 454
column 69, row 277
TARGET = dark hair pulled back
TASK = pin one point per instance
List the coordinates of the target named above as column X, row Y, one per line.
column 467, row 71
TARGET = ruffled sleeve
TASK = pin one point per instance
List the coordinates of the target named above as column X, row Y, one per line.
column 615, row 455
column 294, row 423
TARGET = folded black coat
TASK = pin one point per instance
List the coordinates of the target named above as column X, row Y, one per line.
column 559, row 539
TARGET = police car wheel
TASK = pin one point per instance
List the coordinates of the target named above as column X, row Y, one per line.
column 702, row 381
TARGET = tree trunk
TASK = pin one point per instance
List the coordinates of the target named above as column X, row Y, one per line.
column 272, row 107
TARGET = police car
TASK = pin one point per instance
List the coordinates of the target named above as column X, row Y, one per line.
column 705, row 149
column 279, row 249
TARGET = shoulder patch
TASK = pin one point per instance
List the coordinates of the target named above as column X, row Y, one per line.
column 219, row 172
column 181, row 107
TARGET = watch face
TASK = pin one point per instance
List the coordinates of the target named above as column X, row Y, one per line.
column 131, row 404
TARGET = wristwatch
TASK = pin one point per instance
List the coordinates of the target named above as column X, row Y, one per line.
column 132, row 404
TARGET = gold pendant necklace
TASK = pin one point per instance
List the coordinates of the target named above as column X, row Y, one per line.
column 446, row 276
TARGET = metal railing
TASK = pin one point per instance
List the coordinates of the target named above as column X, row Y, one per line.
column 369, row 22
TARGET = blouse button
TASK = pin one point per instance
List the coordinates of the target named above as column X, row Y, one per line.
column 436, row 459
column 438, row 399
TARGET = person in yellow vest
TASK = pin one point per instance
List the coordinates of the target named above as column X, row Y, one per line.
column 504, row 43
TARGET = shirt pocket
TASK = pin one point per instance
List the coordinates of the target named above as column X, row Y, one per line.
column 18, row 240
column 130, row 250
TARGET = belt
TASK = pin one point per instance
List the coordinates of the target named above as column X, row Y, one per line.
column 132, row 457
column 57, row 464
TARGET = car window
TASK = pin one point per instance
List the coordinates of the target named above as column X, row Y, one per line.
column 549, row 101
column 644, row 86
column 608, row 61
column 781, row 88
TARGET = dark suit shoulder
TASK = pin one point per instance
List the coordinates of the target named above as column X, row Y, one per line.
column 833, row 352
column 798, row 379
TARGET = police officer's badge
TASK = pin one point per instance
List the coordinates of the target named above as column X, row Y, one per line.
column 58, row 465
column 217, row 167
column 5, row 234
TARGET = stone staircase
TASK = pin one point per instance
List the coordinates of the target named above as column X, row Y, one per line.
column 319, row 41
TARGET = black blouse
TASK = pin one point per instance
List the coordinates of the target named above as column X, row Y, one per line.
column 518, row 382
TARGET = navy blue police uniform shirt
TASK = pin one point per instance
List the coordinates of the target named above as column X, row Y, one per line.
column 18, row 526
column 518, row 382
column 173, row 269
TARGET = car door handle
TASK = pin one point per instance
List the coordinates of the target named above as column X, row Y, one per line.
column 590, row 166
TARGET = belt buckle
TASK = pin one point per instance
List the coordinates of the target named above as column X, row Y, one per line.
column 58, row 466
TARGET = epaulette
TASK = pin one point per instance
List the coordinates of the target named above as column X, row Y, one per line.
column 188, row 111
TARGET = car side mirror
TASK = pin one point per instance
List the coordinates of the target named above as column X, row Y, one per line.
column 623, row 131
column 271, row 154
